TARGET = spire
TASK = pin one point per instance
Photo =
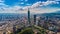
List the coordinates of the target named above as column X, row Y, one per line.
column 28, row 9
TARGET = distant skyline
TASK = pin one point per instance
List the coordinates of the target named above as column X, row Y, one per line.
column 35, row 6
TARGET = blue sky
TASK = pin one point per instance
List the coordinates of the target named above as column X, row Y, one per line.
column 36, row 6
column 23, row 2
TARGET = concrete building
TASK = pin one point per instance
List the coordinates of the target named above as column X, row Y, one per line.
column 35, row 20
column 29, row 17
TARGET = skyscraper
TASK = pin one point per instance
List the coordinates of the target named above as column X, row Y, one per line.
column 29, row 16
column 34, row 19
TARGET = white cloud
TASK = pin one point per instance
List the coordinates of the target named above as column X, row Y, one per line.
column 1, row 1
column 28, row 4
column 6, row 9
column 57, row 0
column 39, row 4
column 33, row 8
column 22, row 3
column 18, row 9
column 15, row 9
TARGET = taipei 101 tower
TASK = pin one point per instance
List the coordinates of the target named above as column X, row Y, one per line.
column 29, row 17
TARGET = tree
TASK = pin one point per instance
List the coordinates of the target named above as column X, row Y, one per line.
column 27, row 31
